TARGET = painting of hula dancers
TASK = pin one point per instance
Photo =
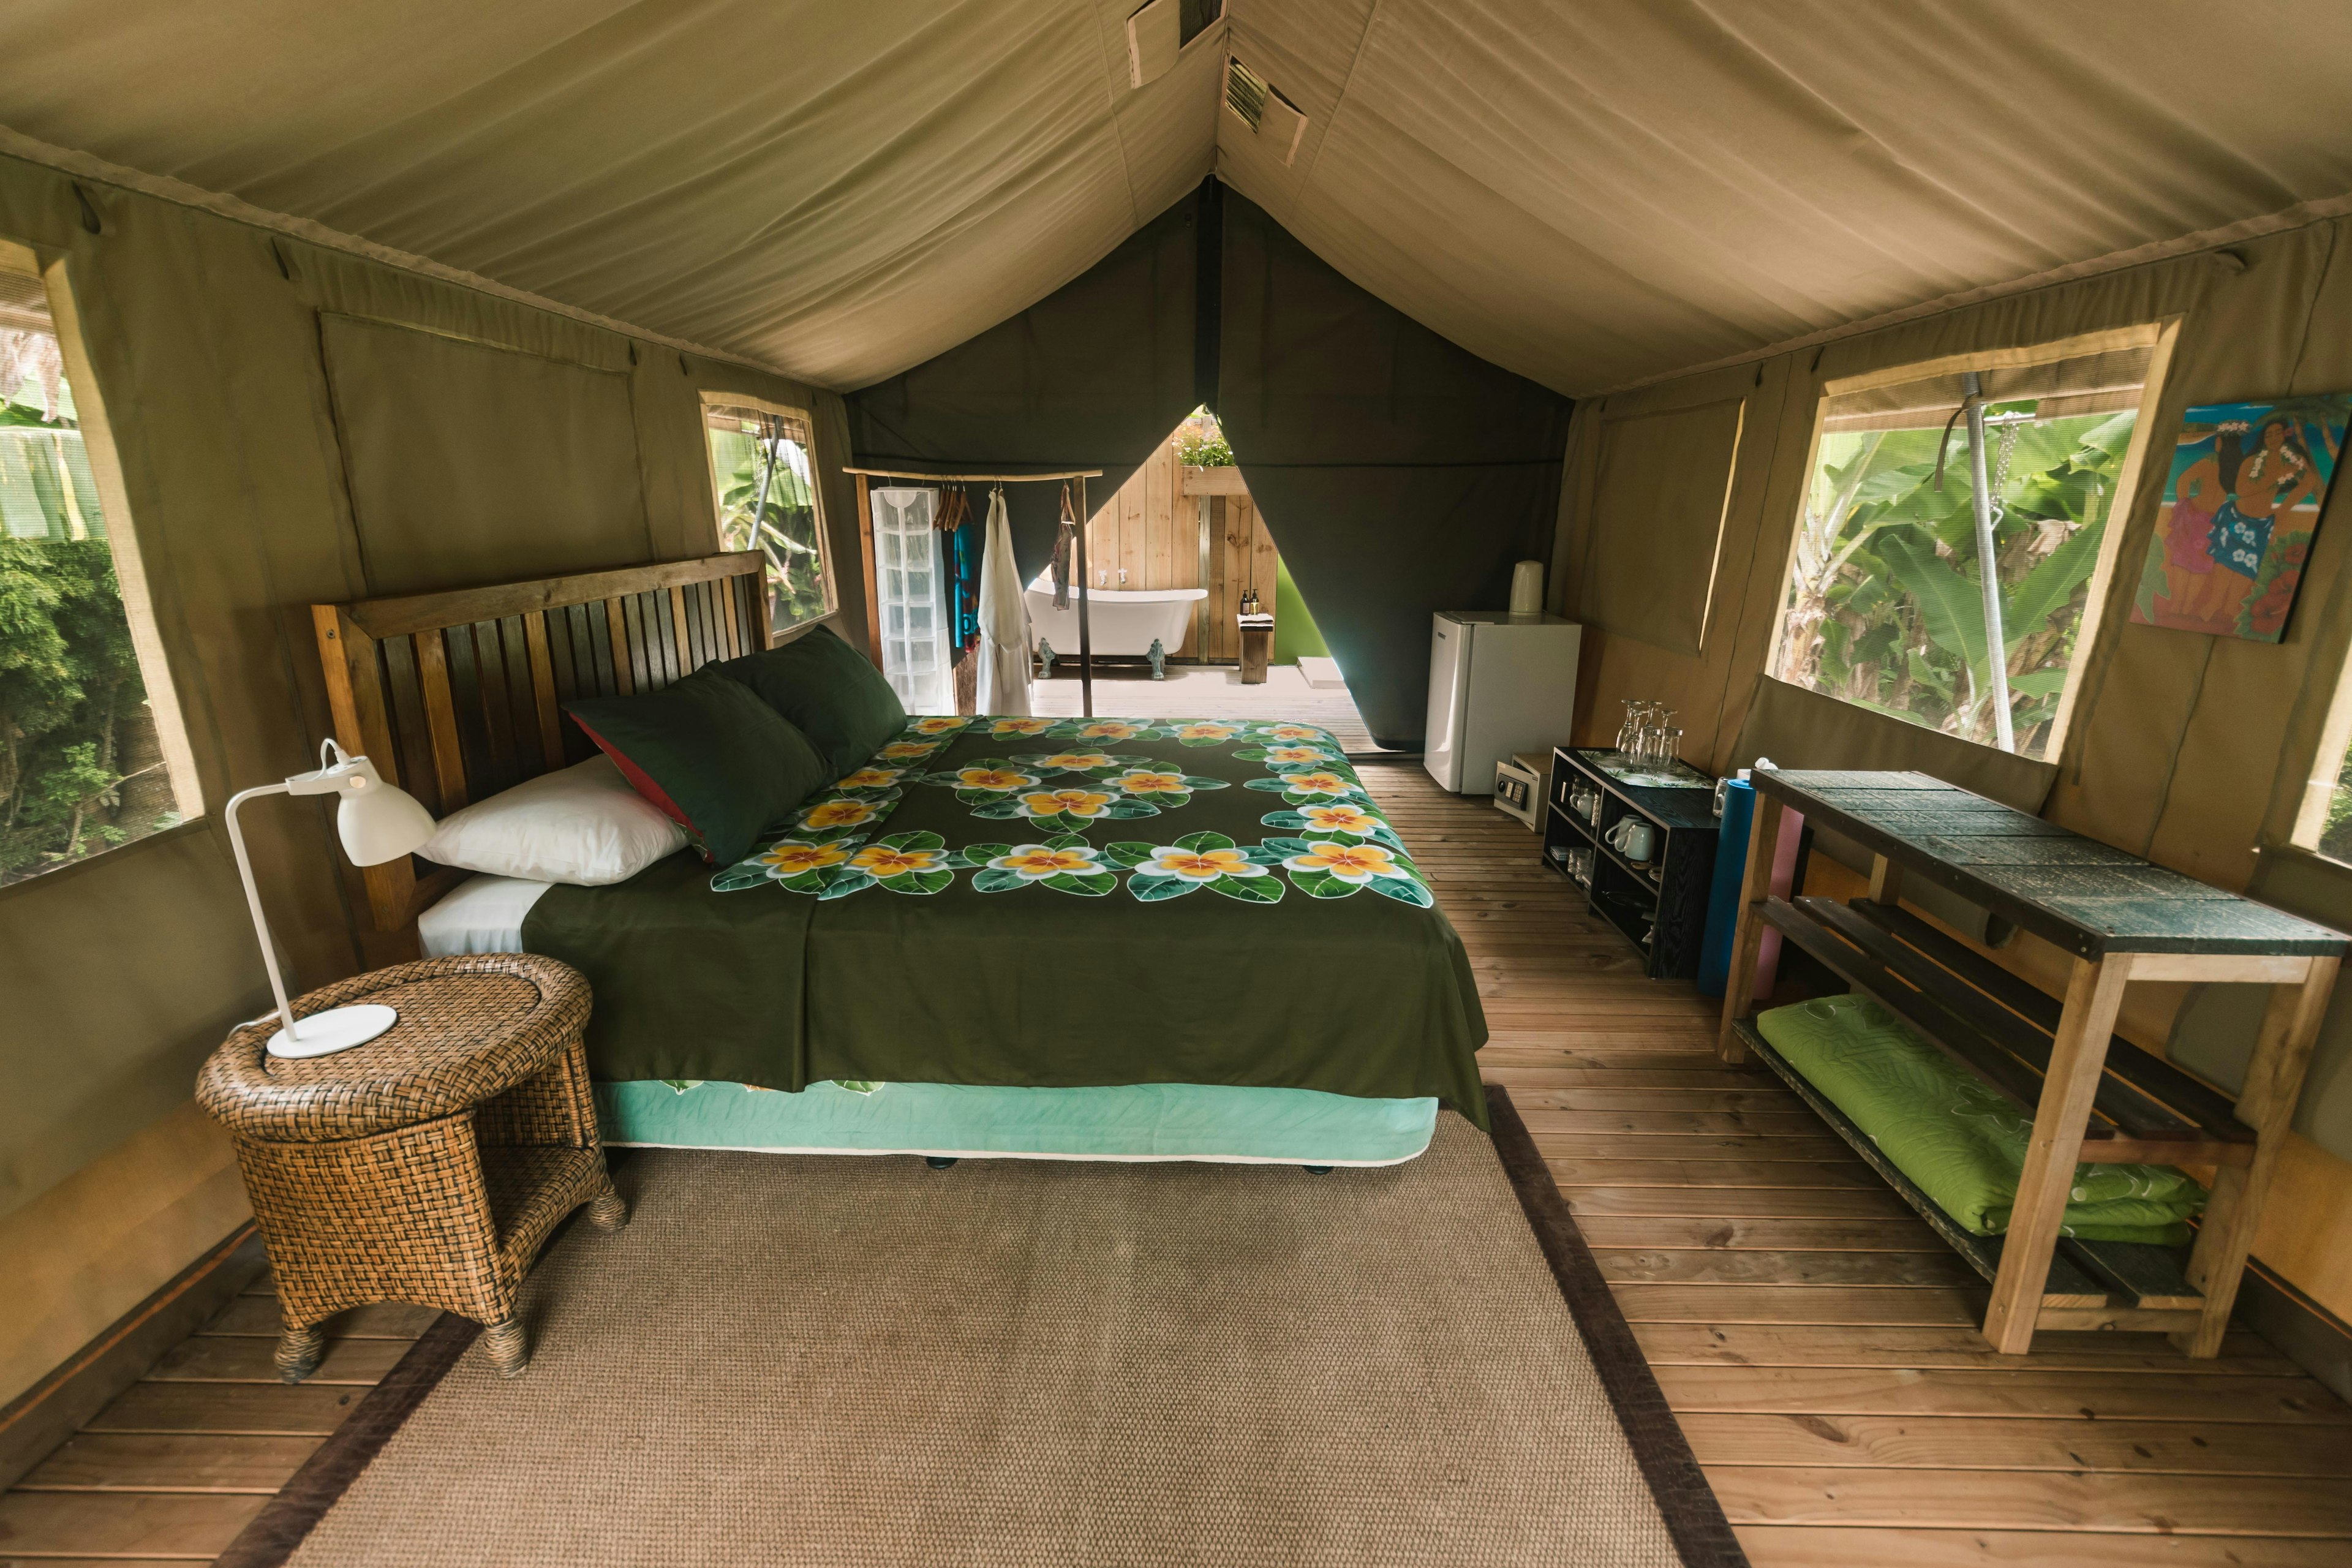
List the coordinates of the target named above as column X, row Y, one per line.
column 2240, row 510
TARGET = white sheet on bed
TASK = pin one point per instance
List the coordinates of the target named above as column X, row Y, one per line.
column 482, row 914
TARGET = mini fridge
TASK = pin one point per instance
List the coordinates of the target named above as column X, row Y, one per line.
column 1498, row 683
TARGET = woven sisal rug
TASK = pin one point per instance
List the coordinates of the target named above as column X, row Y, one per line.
column 845, row 1362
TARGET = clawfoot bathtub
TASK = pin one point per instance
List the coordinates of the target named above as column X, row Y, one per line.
column 1133, row 622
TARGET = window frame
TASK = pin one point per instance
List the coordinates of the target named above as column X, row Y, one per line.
column 156, row 671
column 2158, row 337
column 709, row 399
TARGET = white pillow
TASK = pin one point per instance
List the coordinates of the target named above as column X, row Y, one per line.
column 583, row 825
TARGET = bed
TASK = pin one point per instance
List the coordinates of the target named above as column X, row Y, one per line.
column 1074, row 939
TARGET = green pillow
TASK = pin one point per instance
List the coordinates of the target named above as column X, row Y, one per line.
column 826, row 687
column 711, row 754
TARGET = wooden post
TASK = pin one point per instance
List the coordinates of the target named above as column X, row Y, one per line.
column 1885, row 881
column 761, row 628
column 1085, row 631
column 2266, row 1104
column 2077, row 1055
column 873, row 585
column 1204, row 609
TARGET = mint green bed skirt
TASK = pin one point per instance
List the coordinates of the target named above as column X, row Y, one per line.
column 1133, row 1121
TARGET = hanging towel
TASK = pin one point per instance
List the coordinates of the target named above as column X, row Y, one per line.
column 1003, row 620
column 960, row 550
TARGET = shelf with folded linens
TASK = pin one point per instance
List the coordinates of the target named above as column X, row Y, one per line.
column 2076, row 1100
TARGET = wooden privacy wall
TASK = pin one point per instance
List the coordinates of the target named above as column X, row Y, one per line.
column 459, row 695
column 1153, row 531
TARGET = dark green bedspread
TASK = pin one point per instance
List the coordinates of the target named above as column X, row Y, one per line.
column 1044, row 903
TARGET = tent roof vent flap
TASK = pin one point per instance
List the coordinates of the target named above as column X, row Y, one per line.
column 1272, row 118
column 1154, row 35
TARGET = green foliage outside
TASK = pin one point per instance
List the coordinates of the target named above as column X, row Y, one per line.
column 784, row 526
column 1200, row 444
column 79, row 767
column 1885, row 603
column 2335, row 835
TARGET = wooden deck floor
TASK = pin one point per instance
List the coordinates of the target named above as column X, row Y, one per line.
column 174, row 1469
column 1817, row 1341
column 1211, row 691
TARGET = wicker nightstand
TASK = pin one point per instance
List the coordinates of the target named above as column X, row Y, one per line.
column 429, row 1164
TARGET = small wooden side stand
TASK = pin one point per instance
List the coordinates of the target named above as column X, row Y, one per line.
column 1257, row 646
column 2091, row 1095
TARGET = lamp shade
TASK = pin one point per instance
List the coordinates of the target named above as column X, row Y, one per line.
column 377, row 821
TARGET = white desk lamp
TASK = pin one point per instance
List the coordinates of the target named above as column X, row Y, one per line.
column 377, row 822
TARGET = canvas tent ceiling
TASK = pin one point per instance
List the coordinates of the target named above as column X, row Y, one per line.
column 1589, row 193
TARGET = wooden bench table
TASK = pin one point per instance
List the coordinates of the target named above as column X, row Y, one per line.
column 2091, row 1095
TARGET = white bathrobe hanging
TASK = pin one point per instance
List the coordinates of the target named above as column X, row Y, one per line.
column 1004, row 619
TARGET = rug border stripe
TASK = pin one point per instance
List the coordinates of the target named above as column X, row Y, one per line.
column 1694, row 1518
column 270, row 1537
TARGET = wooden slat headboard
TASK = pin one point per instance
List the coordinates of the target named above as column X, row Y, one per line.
column 459, row 695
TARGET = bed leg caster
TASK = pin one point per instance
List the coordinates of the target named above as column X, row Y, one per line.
column 1317, row 1170
column 939, row 1162
column 298, row 1352
column 508, row 1352
column 1045, row 655
column 1159, row 656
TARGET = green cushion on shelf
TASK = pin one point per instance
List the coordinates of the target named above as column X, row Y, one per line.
column 828, row 689
column 1957, row 1140
column 707, row 751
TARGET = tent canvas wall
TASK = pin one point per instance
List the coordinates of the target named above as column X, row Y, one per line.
column 294, row 426
column 2194, row 751
column 1398, row 473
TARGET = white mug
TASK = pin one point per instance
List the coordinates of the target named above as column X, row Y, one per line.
column 1633, row 838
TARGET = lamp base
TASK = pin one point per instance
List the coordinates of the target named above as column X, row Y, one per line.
column 337, row 1029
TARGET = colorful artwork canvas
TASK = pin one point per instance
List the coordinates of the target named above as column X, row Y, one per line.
column 2241, row 507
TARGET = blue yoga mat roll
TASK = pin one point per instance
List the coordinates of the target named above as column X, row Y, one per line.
column 1723, row 897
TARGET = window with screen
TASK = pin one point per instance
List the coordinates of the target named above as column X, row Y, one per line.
column 1953, row 540
column 763, row 477
column 91, row 753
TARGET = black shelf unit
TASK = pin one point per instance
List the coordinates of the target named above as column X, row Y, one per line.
column 1660, row 908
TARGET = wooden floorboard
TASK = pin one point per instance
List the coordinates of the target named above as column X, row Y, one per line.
column 180, row 1460
column 1813, row 1546
column 1818, row 1342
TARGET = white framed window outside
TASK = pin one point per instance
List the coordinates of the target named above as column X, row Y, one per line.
column 911, row 593
column 763, row 477
column 1884, row 601
column 92, row 750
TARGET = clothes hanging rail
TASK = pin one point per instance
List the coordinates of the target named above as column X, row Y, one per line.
column 865, row 538
column 972, row 478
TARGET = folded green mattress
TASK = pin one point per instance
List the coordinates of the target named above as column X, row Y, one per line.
column 1957, row 1140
